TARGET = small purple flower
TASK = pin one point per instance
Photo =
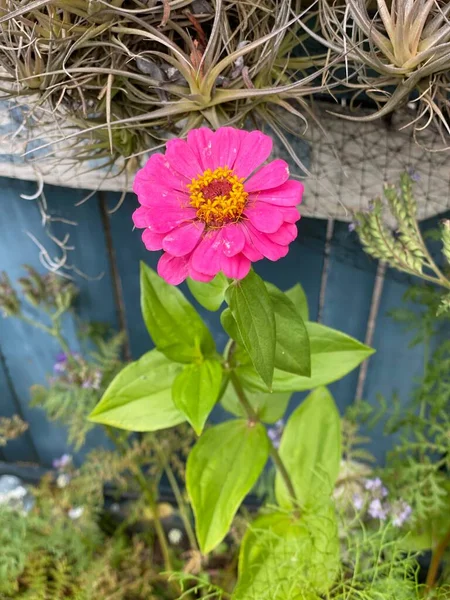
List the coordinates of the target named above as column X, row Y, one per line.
column 276, row 432
column 415, row 176
column 373, row 484
column 377, row 510
column 358, row 502
column 401, row 513
column 61, row 363
column 63, row 461
column 351, row 227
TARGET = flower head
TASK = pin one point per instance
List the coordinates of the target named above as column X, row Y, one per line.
column 63, row 461
column 401, row 511
column 377, row 510
column 211, row 206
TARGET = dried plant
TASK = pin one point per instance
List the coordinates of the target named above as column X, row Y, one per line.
column 396, row 54
column 129, row 74
column 11, row 428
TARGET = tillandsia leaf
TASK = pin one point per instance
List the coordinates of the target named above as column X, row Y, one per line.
column 221, row 469
column 172, row 322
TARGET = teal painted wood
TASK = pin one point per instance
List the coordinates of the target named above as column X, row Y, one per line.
column 348, row 297
column 29, row 353
column 22, row 449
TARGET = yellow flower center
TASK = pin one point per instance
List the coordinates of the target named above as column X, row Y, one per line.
column 218, row 196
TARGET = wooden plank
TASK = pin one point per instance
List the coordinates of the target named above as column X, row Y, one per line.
column 396, row 368
column 21, row 449
column 348, row 296
column 29, row 353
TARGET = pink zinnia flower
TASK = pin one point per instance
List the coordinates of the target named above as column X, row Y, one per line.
column 211, row 206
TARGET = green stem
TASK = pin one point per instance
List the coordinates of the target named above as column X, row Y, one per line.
column 436, row 561
column 150, row 497
column 36, row 324
column 240, row 393
column 178, row 496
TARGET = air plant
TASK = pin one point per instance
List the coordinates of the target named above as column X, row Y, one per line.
column 119, row 78
column 396, row 54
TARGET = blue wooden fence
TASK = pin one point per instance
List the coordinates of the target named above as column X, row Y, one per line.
column 338, row 278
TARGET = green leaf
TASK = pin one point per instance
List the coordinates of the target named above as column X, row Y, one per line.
column 283, row 558
column 174, row 325
column 195, row 391
column 269, row 407
column 221, row 469
column 333, row 355
column 230, row 326
column 252, row 310
column 292, row 352
column 297, row 296
column 140, row 397
column 209, row 295
column 311, row 450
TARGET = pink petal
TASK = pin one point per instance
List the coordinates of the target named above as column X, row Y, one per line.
column 152, row 240
column 172, row 269
column 288, row 194
column 265, row 217
column 233, row 239
column 197, row 276
column 163, row 221
column 182, row 159
column 249, row 249
column 182, row 240
column 255, row 148
column 153, row 195
column 235, row 267
column 200, row 142
column 225, row 146
column 285, row 235
column 264, row 244
column 206, row 257
column 158, row 171
column 272, row 175
column 290, row 214
column 140, row 217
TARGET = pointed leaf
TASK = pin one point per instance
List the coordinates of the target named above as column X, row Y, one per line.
column 252, row 310
column 269, row 407
column 298, row 297
column 311, row 450
column 210, row 295
column 172, row 322
column 333, row 355
column 195, row 391
column 222, row 468
column 286, row 558
column 139, row 398
column 292, row 352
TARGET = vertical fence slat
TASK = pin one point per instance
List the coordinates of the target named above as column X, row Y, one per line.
column 30, row 353
column 22, row 448
column 348, row 295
